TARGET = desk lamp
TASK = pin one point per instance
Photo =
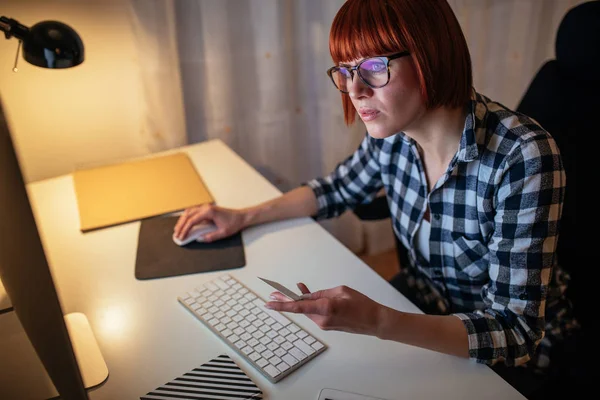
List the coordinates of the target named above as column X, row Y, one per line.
column 47, row 44
column 64, row 344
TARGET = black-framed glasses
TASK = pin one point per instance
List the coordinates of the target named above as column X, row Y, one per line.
column 373, row 71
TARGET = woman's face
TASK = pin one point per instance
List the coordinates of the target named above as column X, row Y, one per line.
column 396, row 107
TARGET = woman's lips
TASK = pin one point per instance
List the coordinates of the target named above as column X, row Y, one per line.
column 368, row 114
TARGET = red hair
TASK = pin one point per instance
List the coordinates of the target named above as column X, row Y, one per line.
column 428, row 29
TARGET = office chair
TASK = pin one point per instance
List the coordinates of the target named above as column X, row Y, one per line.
column 562, row 98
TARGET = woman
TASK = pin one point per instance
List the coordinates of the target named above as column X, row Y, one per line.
column 475, row 192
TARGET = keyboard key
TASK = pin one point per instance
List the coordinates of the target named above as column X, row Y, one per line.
column 232, row 325
column 291, row 360
column 278, row 317
column 221, row 284
column 262, row 316
column 279, row 352
column 227, row 333
column 262, row 362
column 258, row 334
column 283, row 366
column 296, row 352
column 279, row 340
column 267, row 354
column 309, row 339
column 304, row 347
column 317, row 345
column 252, row 329
column 244, row 323
column 265, row 328
column 284, row 332
column 252, row 318
column 211, row 286
column 272, row 334
column 275, row 360
column 271, row 370
column 287, row 345
column 239, row 331
column 265, row 340
column 301, row 334
column 277, row 326
column 260, row 348
column 292, row 338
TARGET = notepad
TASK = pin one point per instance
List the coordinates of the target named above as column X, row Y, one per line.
column 220, row 378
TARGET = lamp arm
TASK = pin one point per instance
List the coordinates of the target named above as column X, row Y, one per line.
column 10, row 27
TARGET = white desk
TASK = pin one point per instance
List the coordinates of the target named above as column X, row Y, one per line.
column 148, row 338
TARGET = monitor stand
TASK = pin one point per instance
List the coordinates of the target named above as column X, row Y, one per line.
column 22, row 374
column 91, row 363
column 5, row 304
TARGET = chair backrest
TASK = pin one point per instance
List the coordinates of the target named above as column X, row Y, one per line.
column 562, row 98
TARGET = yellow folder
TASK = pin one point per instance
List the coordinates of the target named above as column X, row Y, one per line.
column 134, row 190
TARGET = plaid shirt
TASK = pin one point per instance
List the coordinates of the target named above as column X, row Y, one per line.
column 494, row 217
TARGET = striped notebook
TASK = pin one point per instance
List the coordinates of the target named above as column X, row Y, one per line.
column 218, row 379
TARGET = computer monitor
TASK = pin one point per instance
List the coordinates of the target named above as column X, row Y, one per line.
column 27, row 279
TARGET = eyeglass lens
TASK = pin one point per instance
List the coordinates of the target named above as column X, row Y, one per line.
column 372, row 70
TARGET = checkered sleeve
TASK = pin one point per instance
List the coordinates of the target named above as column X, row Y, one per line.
column 529, row 199
column 354, row 181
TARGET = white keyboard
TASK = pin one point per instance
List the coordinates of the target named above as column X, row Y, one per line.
column 265, row 338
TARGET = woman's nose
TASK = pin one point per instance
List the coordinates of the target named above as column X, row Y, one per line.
column 357, row 88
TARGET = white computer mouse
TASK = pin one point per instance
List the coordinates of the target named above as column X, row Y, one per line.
column 196, row 233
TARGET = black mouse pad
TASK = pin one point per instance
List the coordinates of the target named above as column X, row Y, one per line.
column 159, row 257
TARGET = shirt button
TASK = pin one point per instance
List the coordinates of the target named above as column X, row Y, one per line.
column 523, row 296
column 437, row 216
column 437, row 272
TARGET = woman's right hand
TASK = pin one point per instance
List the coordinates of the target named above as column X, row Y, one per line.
column 228, row 221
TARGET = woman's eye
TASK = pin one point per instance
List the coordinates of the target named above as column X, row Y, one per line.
column 373, row 66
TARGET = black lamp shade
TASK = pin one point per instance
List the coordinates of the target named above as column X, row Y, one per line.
column 52, row 44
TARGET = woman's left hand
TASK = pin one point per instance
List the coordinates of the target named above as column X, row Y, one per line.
column 340, row 308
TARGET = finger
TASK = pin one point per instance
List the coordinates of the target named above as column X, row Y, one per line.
column 321, row 294
column 298, row 307
column 278, row 296
column 181, row 221
column 213, row 236
column 194, row 218
column 303, row 288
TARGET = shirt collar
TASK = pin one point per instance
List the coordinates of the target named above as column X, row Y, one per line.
column 468, row 149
